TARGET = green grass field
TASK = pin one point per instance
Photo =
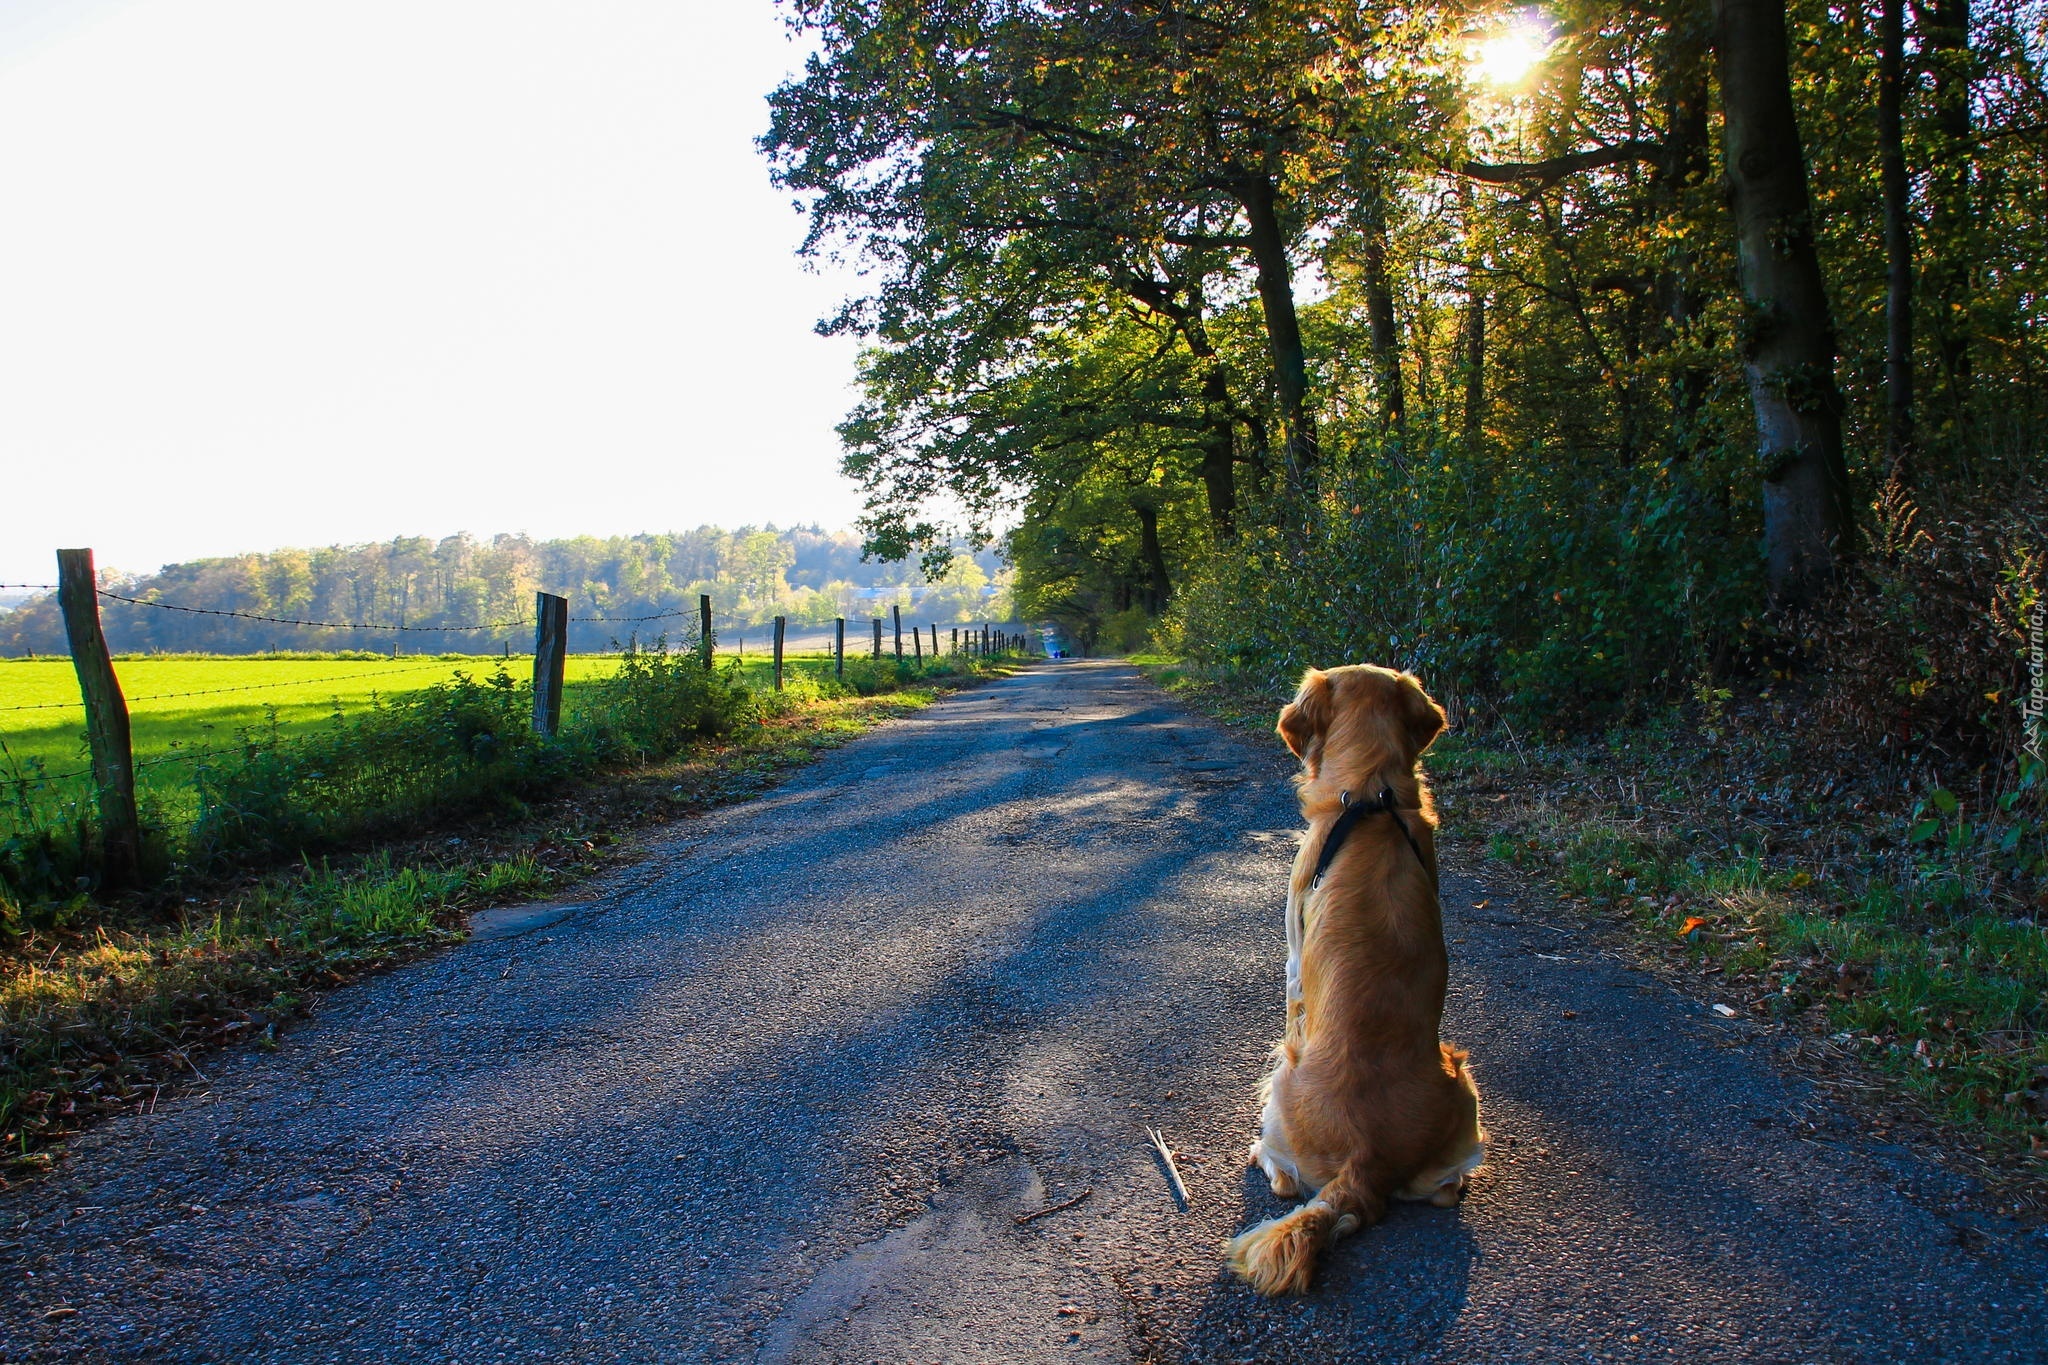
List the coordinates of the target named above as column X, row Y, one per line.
column 182, row 707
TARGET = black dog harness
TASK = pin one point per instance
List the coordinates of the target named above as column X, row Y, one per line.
column 1353, row 815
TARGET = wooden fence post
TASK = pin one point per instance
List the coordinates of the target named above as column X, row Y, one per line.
column 704, row 626
column 550, row 651
column 917, row 643
column 935, row 642
column 839, row 648
column 878, row 637
column 106, row 720
column 896, row 613
column 780, row 627
column 956, row 639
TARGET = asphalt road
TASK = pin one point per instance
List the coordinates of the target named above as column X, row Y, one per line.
column 779, row 1092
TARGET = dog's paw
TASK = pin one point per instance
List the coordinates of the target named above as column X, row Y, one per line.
column 1282, row 1180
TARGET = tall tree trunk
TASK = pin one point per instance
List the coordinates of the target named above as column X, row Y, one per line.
column 1475, row 359
column 1158, row 587
column 1682, row 169
column 1260, row 199
column 1219, row 442
column 1472, row 329
column 1789, row 352
column 1951, row 250
column 1385, row 336
column 1383, row 331
column 1219, row 454
column 1898, row 241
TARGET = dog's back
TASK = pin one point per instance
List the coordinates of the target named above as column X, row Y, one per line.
column 1365, row 1103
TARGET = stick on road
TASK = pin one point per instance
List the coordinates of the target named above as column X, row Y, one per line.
column 782, row 1091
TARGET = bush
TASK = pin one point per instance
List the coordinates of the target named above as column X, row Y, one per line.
column 1924, row 644
column 454, row 748
column 1565, row 599
column 656, row 704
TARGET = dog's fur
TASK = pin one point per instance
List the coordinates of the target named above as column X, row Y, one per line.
column 1365, row 1103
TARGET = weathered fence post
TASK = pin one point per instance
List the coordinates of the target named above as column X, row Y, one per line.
column 780, row 627
column 896, row 614
column 704, row 626
column 106, row 719
column 956, row 639
column 550, row 651
column 935, row 642
column 839, row 648
column 878, row 637
column 917, row 643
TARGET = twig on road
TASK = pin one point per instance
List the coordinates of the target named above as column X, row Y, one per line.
column 1180, row 1190
column 1021, row 1219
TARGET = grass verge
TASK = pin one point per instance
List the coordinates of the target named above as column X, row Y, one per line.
column 1911, row 962
column 105, row 1006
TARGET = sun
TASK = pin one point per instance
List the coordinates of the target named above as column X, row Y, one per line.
column 1507, row 55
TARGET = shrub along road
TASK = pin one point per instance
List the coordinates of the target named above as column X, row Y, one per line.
column 781, row 1091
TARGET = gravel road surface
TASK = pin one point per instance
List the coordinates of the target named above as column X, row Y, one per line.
column 780, row 1092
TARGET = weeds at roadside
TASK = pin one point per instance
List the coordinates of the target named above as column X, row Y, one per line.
column 94, row 1023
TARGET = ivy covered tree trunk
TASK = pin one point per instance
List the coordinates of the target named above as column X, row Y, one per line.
column 1945, row 36
column 1898, row 240
column 1474, row 357
column 1686, row 164
column 1471, row 356
column 1789, row 345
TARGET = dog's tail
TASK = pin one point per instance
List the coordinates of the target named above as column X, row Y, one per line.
column 1279, row 1255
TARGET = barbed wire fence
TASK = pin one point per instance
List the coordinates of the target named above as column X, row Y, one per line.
column 112, row 772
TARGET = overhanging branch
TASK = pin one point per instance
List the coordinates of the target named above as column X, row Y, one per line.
column 1544, row 174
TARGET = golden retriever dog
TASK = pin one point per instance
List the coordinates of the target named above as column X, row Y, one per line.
column 1365, row 1103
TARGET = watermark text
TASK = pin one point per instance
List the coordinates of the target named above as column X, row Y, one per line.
column 2032, row 711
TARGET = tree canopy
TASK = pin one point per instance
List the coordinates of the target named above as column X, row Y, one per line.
column 1548, row 349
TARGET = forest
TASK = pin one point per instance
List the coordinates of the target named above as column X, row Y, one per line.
column 1583, row 358
column 752, row 574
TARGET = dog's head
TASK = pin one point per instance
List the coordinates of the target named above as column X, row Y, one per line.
column 1360, row 708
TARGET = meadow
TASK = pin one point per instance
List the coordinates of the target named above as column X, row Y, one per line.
column 185, row 707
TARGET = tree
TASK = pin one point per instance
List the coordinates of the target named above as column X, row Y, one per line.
column 1789, row 346
column 1898, row 240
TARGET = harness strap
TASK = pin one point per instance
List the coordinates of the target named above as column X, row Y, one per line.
column 1354, row 813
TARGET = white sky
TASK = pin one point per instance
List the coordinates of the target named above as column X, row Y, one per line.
column 293, row 272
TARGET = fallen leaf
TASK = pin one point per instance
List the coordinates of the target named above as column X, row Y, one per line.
column 1692, row 922
column 1481, row 905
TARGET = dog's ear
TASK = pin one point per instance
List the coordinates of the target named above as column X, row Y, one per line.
column 1303, row 720
column 1422, row 717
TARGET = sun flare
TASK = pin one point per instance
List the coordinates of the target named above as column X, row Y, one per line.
column 1506, row 56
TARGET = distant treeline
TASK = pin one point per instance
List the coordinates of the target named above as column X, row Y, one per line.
column 805, row 573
